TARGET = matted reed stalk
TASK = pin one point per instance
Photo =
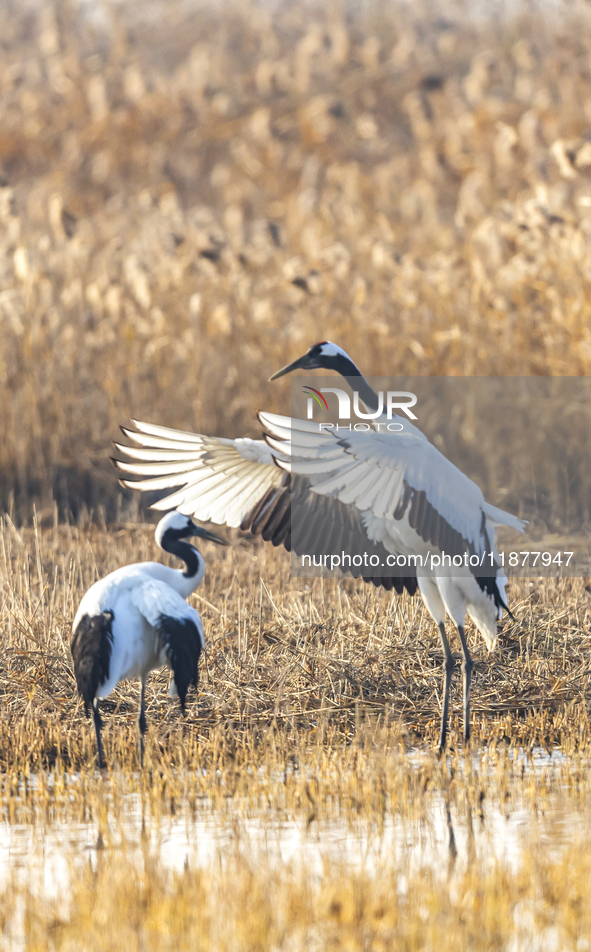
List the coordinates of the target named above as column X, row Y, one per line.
column 316, row 658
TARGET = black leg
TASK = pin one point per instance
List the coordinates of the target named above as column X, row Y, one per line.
column 97, row 729
column 448, row 667
column 467, row 665
column 142, row 723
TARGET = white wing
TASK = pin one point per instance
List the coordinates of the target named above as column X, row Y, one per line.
column 239, row 483
column 397, row 480
column 222, row 480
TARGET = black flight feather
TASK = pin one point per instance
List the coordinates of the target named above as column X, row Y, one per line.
column 92, row 644
column 182, row 643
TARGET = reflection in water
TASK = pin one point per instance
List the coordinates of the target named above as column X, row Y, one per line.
column 444, row 835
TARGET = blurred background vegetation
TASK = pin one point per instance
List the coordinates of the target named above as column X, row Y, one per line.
column 191, row 194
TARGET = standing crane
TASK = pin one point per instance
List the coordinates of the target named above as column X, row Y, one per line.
column 380, row 494
column 136, row 619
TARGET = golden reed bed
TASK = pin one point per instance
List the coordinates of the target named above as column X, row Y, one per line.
column 190, row 198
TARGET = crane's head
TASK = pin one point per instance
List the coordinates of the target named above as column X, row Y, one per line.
column 174, row 526
column 322, row 356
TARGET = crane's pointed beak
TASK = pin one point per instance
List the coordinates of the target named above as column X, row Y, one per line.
column 297, row 365
column 210, row 536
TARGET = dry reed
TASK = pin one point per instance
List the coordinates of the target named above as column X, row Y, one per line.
column 299, row 657
column 188, row 198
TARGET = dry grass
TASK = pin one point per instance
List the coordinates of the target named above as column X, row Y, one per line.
column 281, row 654
column 545, row 905
column 310, row 700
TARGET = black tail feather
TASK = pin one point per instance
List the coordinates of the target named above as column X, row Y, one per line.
column 491, row 587
column 92, row 643
column 182, row 643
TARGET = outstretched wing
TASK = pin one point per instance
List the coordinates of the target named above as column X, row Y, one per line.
column 406, row 490
column 308, row 524
column 238, row 483
column 179, row 627
column 222, row 480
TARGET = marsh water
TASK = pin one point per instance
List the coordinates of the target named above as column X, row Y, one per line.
column 442, row 833
column 465, row 819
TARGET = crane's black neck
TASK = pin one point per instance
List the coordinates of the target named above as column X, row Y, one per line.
column 346, row 368
column 184, row 551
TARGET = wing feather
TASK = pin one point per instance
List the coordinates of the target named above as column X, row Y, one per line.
column 216, row 479
column 364, row 486
column 159, row 469
column 179, row 628
column 167, row 433
column 372, row 470
column 161, row 455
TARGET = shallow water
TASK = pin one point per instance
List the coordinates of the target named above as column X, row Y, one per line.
column 532, row 809
column 444, row 835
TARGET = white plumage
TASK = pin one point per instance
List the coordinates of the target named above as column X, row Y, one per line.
column 136, row 619
column 383, row 493
column 223, row 479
